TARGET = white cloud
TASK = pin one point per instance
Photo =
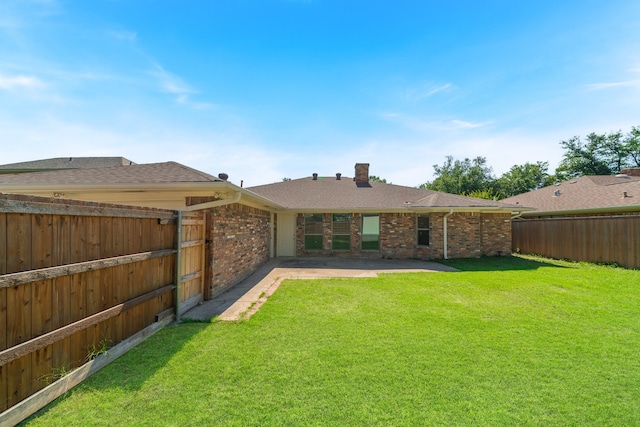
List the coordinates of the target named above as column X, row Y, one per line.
column 611, row 85
column 123, row 35
column 20, row 82
column 428, row 125
column 468, row 125
column 426, row 90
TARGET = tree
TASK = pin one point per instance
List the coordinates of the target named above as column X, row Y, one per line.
column 461, row 177
column 523, row 178
column 632, row 142
column 378, row 179
column 604, row 154
column 583, row 158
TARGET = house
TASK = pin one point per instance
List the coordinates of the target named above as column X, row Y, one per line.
column 238, row 221
column 590, row 218
column 584, row 196
column 313, row 216
column 356, row 217
column 64, row 163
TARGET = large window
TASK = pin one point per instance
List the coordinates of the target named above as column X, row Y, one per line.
column 313, row 231
column 423, row 230
column 371, row 232
column 341, row 227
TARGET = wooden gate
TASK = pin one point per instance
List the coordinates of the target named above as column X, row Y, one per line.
column 191, row 259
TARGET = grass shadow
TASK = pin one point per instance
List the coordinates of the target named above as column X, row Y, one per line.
column 502, row 263
column 131, row 370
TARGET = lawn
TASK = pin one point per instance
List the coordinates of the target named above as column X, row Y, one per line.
column 510, row 341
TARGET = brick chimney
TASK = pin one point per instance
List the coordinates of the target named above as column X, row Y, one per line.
column 362, row 173
column 631, row 171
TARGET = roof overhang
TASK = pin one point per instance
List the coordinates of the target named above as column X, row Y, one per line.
column 609, row 209
column 170, row 195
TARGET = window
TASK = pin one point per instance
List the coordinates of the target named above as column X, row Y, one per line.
column 313, row 231
column 341, row 226
column 371, row 232
column 423, row 230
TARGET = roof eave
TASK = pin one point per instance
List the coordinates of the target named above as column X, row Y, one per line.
column 611, row 209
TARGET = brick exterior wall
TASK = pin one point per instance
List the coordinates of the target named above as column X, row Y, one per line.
column 238, row 243
column 470, row 235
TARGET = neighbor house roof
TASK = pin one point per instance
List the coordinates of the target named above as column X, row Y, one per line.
column 65, row 163
column 163, row 185
column 332, row 194
column 587, row 194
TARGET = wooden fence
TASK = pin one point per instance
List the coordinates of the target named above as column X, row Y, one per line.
column 610, row 239
column 77, row 278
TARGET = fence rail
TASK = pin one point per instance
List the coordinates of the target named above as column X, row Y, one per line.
column 610, row 239
column 77, row 278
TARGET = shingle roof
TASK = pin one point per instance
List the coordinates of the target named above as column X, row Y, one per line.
column 329, row 193
column 153, row 173
column 69, row 163
column 584, row 193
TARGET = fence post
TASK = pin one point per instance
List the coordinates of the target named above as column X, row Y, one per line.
column 178, row 264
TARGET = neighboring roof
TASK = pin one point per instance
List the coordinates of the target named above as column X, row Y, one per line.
column 153, row 173
column 67, row 163
column 600, row 193
column 331, row 194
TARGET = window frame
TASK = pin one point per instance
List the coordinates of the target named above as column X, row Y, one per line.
column 341, row 234
column 420, row 229
column 313, row 237
column 363, row 234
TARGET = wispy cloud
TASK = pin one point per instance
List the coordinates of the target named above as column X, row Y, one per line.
column 175, row 85
column 20, row 82
column 423, row 125
column 170, row 82
column 611, row 85
column 122, row 35
column 427, row 90
column 468, row 125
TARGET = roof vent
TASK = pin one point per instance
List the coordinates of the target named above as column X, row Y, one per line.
column 625, row 195
column 315, row 176
column 338, row 176
column 622, row 175
column 223, row 176
column 556, row 193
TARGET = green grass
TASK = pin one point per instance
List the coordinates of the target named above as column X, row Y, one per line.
column 510, row 341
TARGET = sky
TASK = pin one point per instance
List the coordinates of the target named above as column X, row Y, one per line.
column 270, row 89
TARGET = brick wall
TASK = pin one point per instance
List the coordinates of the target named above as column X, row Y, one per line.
column 496, row 234
column 238, row 243
column 470, row 235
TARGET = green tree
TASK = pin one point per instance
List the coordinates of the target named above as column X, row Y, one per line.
column 378, row 179
column 632, row 142
column 523, row 178
column 461, row 177
column 600, row 154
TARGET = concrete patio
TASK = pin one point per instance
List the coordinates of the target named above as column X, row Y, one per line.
column 245, row 298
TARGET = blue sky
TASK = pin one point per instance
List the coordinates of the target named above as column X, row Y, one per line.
column 268, row 89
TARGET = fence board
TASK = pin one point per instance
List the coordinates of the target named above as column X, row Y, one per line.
column 19, row 237
column 3, row 243
column 591, row 239
column 61, row 265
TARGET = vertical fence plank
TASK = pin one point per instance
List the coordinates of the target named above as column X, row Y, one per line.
column 4, row 391
column 3, row 243
column 41, row 244
column 19, row 235
column 591, row 239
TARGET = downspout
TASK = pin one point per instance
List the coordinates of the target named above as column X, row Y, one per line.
column 214, row 204
column 444, row 229
column 178, row 265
